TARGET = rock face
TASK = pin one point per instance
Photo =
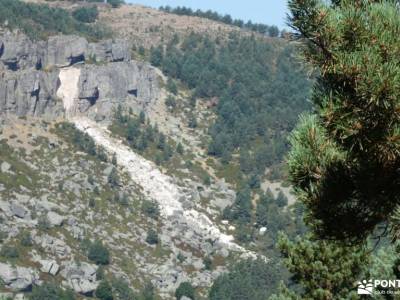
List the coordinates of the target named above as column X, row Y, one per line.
column 64, row 51
column 29, row 92
column 109, row 51
column 17, row 52
column 17, row 278
column 29, row 76
column 108, row 85
column 53, row 245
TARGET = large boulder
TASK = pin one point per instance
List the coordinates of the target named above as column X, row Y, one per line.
column 49, row 266
column 18, row 210
column 54, row 245
column 80, row 277
column 5, row 167
column 109, row 51
column 17, row 278
column 55, row 219
column 65, row 50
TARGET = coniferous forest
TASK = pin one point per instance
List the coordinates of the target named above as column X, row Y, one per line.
column 258, row 102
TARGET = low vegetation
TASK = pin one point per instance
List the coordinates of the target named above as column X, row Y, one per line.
column 272, row 31
column 142, row 136
column 98, row 253
column 185, row 289
column 86, row 14
column 51, row 291
column 80, row 140
column 39, row 21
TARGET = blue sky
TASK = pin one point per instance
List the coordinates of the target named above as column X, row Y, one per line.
column 271, row 12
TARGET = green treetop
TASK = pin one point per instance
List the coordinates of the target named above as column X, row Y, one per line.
column 345, row 159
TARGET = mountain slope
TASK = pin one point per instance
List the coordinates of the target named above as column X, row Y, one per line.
column 111, row 177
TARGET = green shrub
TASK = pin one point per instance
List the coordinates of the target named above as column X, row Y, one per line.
column 249, row 279
column 179, row 149
column 148, row 292
column 151, row 209
column 192, row 121
column 206, row 179
column 207, row 261
column 113, row 178
column 142, row 117
column 3, row 236
column 100, row 273
column 26, row 239
column 181, row 257
column 171, row 86
column 170, row 102
column 104, row 291
column 43, row 223
column 281, row 199
column 92, row 202
column 185, row 289
column 122, row 289
column 114, row 159
column 152, row 237
column 98, row 253
column 123, row 199
column 50, row 291
column 86, row 14
column 115, row 3
column 156, row 56
column 101, row 154
column 9, row 251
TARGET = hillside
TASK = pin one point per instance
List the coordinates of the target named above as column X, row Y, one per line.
column 147, row 27
column 142, row 154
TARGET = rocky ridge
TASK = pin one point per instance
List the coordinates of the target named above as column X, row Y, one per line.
column 29, row 74
column 84, row 84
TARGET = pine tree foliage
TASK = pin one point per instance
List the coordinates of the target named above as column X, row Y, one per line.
column 345, row 159
column 324, row 269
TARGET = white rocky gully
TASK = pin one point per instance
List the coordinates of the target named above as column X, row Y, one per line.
column 156, row 185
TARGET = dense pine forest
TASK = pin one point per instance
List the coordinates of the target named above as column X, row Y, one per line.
column 257, row 102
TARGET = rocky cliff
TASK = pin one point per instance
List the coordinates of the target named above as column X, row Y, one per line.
column 30, row 72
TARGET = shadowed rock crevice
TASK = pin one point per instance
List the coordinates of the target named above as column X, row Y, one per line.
column 11, row 65
column 39, row 65
column 1, row 49
column 77, row 59
column 93, row 98
column 133, row 92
